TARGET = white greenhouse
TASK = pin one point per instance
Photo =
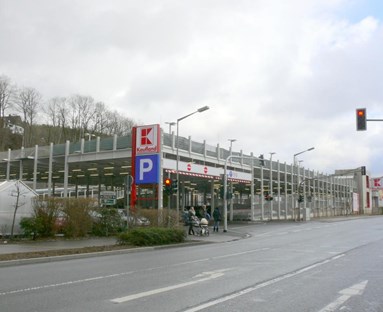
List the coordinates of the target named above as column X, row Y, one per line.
column 14, row 193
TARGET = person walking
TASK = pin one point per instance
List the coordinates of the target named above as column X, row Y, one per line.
column 204, row 213
column 217, row 218
column 191, row 220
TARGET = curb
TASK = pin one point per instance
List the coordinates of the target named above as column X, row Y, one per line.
column 190, row 242
column 37, row 260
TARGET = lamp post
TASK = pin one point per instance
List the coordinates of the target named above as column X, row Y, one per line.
column 231, row 143
column 298, row 178
column 295, row 155
column 271, row 185
column 231, row 183
column 171, row 123
column 200, row 110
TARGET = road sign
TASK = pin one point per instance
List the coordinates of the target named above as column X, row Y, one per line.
column 108, row 198
column 147, row 169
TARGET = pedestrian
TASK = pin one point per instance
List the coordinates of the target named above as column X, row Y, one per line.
column 217, row 218
column 191, row 220
column 204, row 213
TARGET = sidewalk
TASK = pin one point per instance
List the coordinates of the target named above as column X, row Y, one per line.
column 55, row 244
column 234, row 233
column 7, row 247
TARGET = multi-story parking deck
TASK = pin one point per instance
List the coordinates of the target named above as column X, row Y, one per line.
column 89, row 167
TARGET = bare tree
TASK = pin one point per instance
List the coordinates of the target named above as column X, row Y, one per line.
column 100, row 119
column 68, row 118
column 83, row 110
column 57, row 112
column 63, row 116
column 6, row 92
column 27, row 104
column 118, row 124
column 18, row 193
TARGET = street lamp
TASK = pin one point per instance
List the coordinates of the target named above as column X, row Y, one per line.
column 231, row 143
column 200, row 110
column 298, row 178
column 171, row 123
column 295, row 155
column 231, row 183
column 271, row 185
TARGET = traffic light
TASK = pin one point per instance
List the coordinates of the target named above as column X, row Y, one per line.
column 221, row 192
column 361, row 121
column 174, row 186
column 168, row 186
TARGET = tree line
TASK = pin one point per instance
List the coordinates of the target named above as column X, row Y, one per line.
column 58, row 119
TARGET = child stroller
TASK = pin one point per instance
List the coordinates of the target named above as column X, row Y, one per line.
column 203, row 227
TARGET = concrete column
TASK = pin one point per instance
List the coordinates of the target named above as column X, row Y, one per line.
column 66, row 169
column 35, row 167
column 50, row 168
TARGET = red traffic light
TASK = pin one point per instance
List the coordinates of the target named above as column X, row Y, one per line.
column 361, row 121
column 168, row 182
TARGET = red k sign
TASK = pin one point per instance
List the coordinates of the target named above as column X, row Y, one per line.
column 147, row 139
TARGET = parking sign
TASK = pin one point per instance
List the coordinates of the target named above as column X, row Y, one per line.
column 147, row 169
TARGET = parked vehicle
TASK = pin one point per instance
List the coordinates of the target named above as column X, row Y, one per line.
column 134, row 220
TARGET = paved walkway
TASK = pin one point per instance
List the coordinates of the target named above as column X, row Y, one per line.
column 7, row 247
column 235, row 231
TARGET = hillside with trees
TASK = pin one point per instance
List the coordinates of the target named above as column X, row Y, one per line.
column 27, row 119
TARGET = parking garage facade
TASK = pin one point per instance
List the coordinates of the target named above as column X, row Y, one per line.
column 90, row 168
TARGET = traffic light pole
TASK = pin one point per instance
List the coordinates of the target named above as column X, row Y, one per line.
column 361, row 119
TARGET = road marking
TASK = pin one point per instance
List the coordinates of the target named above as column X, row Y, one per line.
column 281, row 233
column 261, row 285
column 204, row 277
column 64, row 283
column 91, row 279
column 346, row 294
column 240, row 253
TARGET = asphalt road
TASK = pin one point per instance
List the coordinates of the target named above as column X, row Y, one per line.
column 311, row 266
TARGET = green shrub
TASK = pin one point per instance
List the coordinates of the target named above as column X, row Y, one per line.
column 151, row 236
column 107, row 221
column 51, row 216
column 29, row 227
column 42, row 222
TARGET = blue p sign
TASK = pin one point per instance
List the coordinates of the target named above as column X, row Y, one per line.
column 147, row 169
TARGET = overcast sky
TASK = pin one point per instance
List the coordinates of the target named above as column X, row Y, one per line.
column 278, row 75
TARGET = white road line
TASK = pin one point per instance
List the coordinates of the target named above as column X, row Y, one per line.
column 240, row 253
column 34, row 288
column 281, row 233
column 205, row 277
column 346, row 294
column 259, row 286
column 64, row 283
